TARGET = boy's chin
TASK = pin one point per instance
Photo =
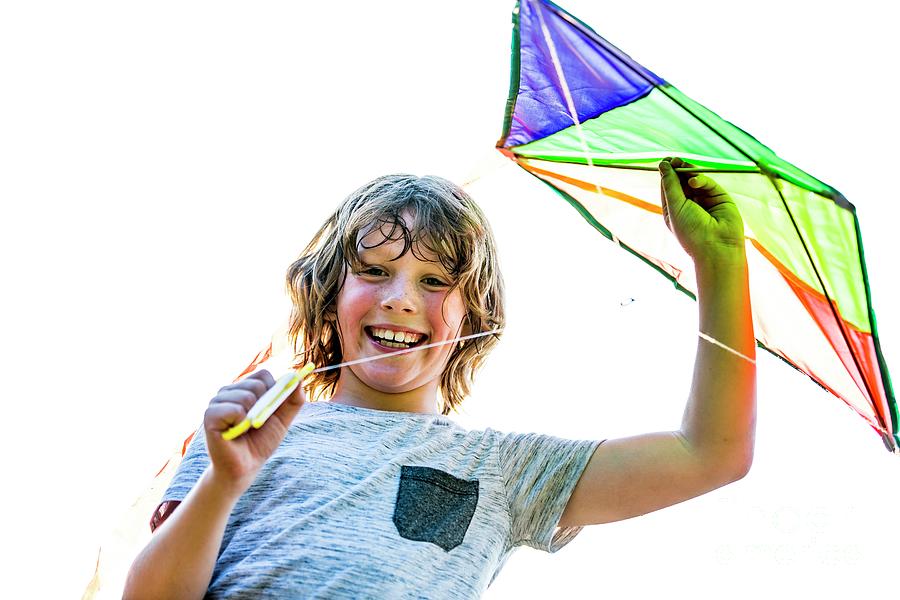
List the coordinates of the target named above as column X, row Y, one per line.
column 389, row 382
column 389, row 385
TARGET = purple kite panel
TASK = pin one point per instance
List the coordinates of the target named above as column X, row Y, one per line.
column 599, row 76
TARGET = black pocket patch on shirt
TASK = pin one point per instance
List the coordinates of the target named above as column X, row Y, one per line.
column 434, row 506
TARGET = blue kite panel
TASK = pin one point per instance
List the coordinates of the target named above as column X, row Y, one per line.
column 599, row 76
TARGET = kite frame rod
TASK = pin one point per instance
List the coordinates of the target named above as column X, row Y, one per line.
column 885, row 375
column 684, row 170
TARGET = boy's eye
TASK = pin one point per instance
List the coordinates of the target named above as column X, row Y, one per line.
column 379, row 272
column 434, row 281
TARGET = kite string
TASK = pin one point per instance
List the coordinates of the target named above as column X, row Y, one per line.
column 407, row 350
column 570, row 105
column 716, row 342
column 702, row 335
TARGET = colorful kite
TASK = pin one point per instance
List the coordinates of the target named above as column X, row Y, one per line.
column 593, row 124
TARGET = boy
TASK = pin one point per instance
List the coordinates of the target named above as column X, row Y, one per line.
column 374, row 493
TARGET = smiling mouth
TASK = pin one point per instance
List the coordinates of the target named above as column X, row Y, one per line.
column 395, row 340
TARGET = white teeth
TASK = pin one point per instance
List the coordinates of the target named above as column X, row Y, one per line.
column 396, row 336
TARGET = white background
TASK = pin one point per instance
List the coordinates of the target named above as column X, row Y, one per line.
column 162, row 163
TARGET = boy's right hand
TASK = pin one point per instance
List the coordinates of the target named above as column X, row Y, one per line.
column 235, row 463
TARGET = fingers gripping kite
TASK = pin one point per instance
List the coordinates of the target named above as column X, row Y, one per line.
column 681, row 185
column 269, row 402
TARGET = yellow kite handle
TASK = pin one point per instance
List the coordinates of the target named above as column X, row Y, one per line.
column 236, row 431
column 269, row 402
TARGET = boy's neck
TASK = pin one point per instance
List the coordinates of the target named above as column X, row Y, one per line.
column 351, row 391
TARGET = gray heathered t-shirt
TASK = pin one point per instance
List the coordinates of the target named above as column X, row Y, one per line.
column 363, row 503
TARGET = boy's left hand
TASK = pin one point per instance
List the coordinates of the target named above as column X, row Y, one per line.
column 700, row 213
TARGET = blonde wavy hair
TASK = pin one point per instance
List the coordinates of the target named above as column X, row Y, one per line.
column 445, row 223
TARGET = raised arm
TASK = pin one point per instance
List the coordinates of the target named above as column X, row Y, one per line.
column 714, row 446
column 180, row 558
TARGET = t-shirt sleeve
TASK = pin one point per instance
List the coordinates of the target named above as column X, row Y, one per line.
column 539, row 473
column 192, row 465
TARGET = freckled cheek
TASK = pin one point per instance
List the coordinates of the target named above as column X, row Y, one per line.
column 352, row 305
column 446, row 315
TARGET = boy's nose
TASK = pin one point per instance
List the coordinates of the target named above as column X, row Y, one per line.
column 399, row 298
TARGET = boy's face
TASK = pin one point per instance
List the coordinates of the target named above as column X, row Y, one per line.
column 386, row 297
